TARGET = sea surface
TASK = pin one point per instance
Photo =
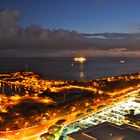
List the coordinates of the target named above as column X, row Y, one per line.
column 67, row 69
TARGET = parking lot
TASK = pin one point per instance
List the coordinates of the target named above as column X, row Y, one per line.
column 114, row 114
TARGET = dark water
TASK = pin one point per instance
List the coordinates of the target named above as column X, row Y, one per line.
column 67, row 69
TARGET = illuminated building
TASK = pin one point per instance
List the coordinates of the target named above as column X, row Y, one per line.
column 79, row 59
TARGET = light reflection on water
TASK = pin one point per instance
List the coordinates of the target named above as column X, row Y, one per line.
column 81, row 73
column 67, row 69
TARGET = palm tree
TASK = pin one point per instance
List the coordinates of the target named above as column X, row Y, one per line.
column 132, row 111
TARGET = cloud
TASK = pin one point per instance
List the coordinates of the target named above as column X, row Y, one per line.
column 135, row 25
column 8, row 25
column 12, row 36
column 118, row 49
column 107, row 41
column 114, row 35
column 34, row 40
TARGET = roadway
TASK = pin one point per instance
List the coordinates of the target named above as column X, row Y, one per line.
column 33, row 133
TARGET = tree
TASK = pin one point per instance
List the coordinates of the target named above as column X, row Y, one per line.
column 60, row 122
column 47, row 136
column 132, row 111
column 89, row 110
column 80, row 115
column 54, row 128
column 100, row 107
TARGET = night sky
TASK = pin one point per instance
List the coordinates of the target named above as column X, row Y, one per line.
column 69, row 28
column 88, row 16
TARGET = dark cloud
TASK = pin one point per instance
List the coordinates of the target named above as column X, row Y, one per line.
column 37, row 41
column 106, row 41
column 114, row 35
column 9, row 29
column 12, row 36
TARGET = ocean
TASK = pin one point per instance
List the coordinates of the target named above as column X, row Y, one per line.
column 68, row 69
